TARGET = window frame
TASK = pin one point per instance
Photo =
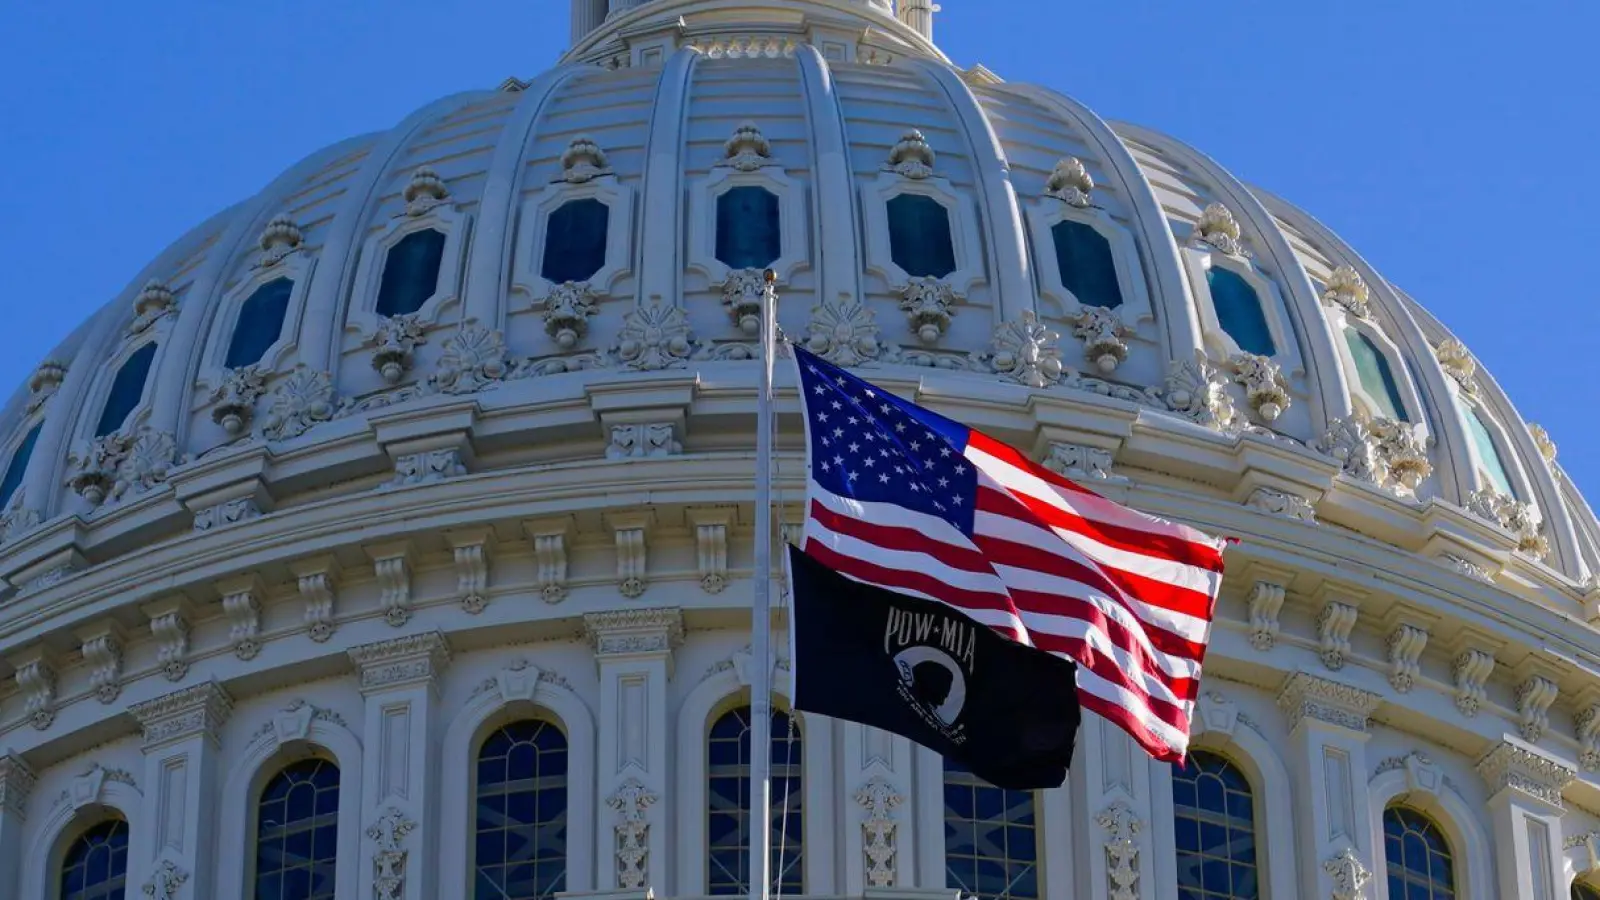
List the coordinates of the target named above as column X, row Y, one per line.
column 728, row 706
column 527, row 273
column 530, row 712
column 1197, row 262
column 272, row 768
column 8, row 453
column 100, row 391
column 1258, row 814
column 1338, row 319
column 1522, row 489
column 1043, row 215
column 967, row 244
column 794, row 238
column 455, row 224
column 75, row 831
column 1036, row 799
column 298, row 267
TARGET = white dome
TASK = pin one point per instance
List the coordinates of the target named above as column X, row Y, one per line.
column 553, row 435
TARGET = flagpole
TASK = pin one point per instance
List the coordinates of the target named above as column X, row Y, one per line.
column 761, row 611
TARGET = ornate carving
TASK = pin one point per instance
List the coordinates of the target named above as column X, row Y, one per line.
column 474, row 358
column 1422, row 774
column 1102, row 333
column 228, row 512
column 472, row 573
column 1588, row 723
column 242, row 608
column 912, row 157
column 1220, row 714
column 388, row 834
column 742, row 294
column 394, row 587
column 1521, row 519
column 198, row 710
column 154, row 303
column 102, row 653
column 1196, row 388
column 400, row 661
column 280, row 238
column 1333, row 630
column 642, row 440
column 1380, row 451
column 1266, row 600
column 1348, row 290
column 1406, row 643
column 926, row 301
column 1219, row 229
column 711, row 547
column 394, row 344
column 1511, row 766
column 1080, row 463
column 1071, row 183
column 426, row 467
column 1534, row 698
column 89, row 787
column 1351, row 443
column 631, row 577
column 1471, row 672
column 16, row 783
column 631, row 631
column 844, row 333
column 583, row 161
column 737, row 46
column 879, row 799
column 165, row 881
column 424, row 191
column 36, row 680
column 293, row 722
column 1468, row 568
column 316, row 589
column 171, row 631
column 1264, row 386
column 1458, row 363
column 301, row 400
column 1280, row 503
column 632, row 801
column 748, row 150
column 550, row 553
column 1025, row 351
column 567, row 311
column 655, row 337
column 18, row 519
column 1541, row 439
column 44, row 383
column 1306, row 696
column 121, row 464
column 1122, row 849
column 1349, row 876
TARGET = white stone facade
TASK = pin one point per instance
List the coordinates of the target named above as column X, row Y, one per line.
column 526, row 498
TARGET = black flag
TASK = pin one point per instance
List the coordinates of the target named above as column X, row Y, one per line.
column 1005, row 711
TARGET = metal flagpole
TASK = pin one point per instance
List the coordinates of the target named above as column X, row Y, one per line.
column 761, row 613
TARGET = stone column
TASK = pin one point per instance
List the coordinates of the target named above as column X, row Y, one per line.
column 16, row 783
column 399, row 787
column 587, row 15
column 1525, row 803
column 1328, row 756
column 1116, row 810
column 181, row 784
column 633, row 648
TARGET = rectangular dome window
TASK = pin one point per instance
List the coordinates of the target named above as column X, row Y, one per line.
column 1239, row 312
column 749, row 235
column 127, row 389
column 411, row 273
column 260, row 323
column 1377, row 379
column 920, row 241
column 575, row 241
column 18, row 466
column 1088, row 269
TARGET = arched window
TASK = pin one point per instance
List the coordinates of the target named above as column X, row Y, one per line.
column 575, row 241
column 1491, row 466
column 260, row 323
column 520, row 851
column 991, row 838
column 1215, row 823
column 1581, row 891
column 920, row 241
column 411, row 272
column 127, row 389
column 1239, row 311
column 96, row 864
column 749, row 235
column 728, row 804
column 297, row 833
column 1419, row 860
column 18, row 467
column 1376, row 377
column 1088, row 269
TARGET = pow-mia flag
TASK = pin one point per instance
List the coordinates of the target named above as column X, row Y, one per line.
column 1006, row 711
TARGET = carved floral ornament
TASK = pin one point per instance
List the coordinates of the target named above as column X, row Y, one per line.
column 912, row 157
column 742, row 295
column 747, row 150
column 424, row 191
column 235, row 398
column 1381, row 451
column 567, row 312
column 1458, row 363
column 280, row 238
column 1523, row 520
column 1265, row 388
column 1071, row 183
column 394, row 343
column 583, row 161
column 926, row 301
column 1347, row 289
column 1218, row 229
column 154, row 302
column 1103, row 334
column 845, row 333
column 44, row 383
column 121, row 464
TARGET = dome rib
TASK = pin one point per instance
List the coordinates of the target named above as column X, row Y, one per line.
column 839, row 232
column 660, row 267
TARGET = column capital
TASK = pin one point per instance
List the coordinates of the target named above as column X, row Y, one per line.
column 1517, row 767
column 16, row 783
column 1306, row 696
column 198, row 710
column 634, row 632
column 400, row 662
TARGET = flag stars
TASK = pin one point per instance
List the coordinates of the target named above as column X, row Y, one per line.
column 854, row 447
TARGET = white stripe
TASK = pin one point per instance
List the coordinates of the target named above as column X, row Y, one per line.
column 907, row 560
column 1072, row 626
column 1091, row 683
column 891, row 514
column 1144, row 682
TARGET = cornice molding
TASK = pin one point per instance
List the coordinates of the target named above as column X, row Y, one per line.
column 1519, row 768
column 632, row 632
column 1306, row 696
column 402, row 662
column 194, row 711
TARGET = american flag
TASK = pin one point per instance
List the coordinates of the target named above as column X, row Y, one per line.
column 908, row 500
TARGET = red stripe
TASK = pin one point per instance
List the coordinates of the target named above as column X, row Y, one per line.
column 1129, row 721
column 1184, row 687
column 1109, row 669
column 1009, row 454
column 898, row 537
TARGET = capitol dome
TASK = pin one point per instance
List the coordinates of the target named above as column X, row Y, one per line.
column 389, row 536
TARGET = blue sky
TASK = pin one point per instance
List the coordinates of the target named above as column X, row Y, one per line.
column 1436, row 137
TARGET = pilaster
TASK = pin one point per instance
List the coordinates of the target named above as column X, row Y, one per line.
column 633, row 649
column 880, row 809
column 1329, row 729
column 16, row 783
column 1525, row 803
column 181, row 783
column 399, row 802
column 1114, row 806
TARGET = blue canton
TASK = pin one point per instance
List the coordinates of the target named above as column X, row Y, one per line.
column 872, row 446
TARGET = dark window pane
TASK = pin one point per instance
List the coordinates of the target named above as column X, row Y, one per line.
column 1419, row 861
column 1372, row 370
column 521, row 840
column 991, row 838
column 1088, row 269
column 260, row 323
column 1214, row 829
column 127, row 389
column 95, row 866
column 297, row 823
column 575, row 241
column 18, row 467
column 1239, row 311
column 749, row 235
column 728, row 807
column 411, row 273
column 919, row 236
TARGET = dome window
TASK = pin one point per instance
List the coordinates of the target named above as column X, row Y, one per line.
column 991, row 838
column 728, row 809
column 260, row 323
column 127, row 389
column 18, row 466
column 920, row 240
column 1239, row 312
column 411, row 273
column 297, row 832
column 749, row 235
column 1375, row 375
column 1491, row 466
column 520, row 848
column 1088, row 268
column 575, row 241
